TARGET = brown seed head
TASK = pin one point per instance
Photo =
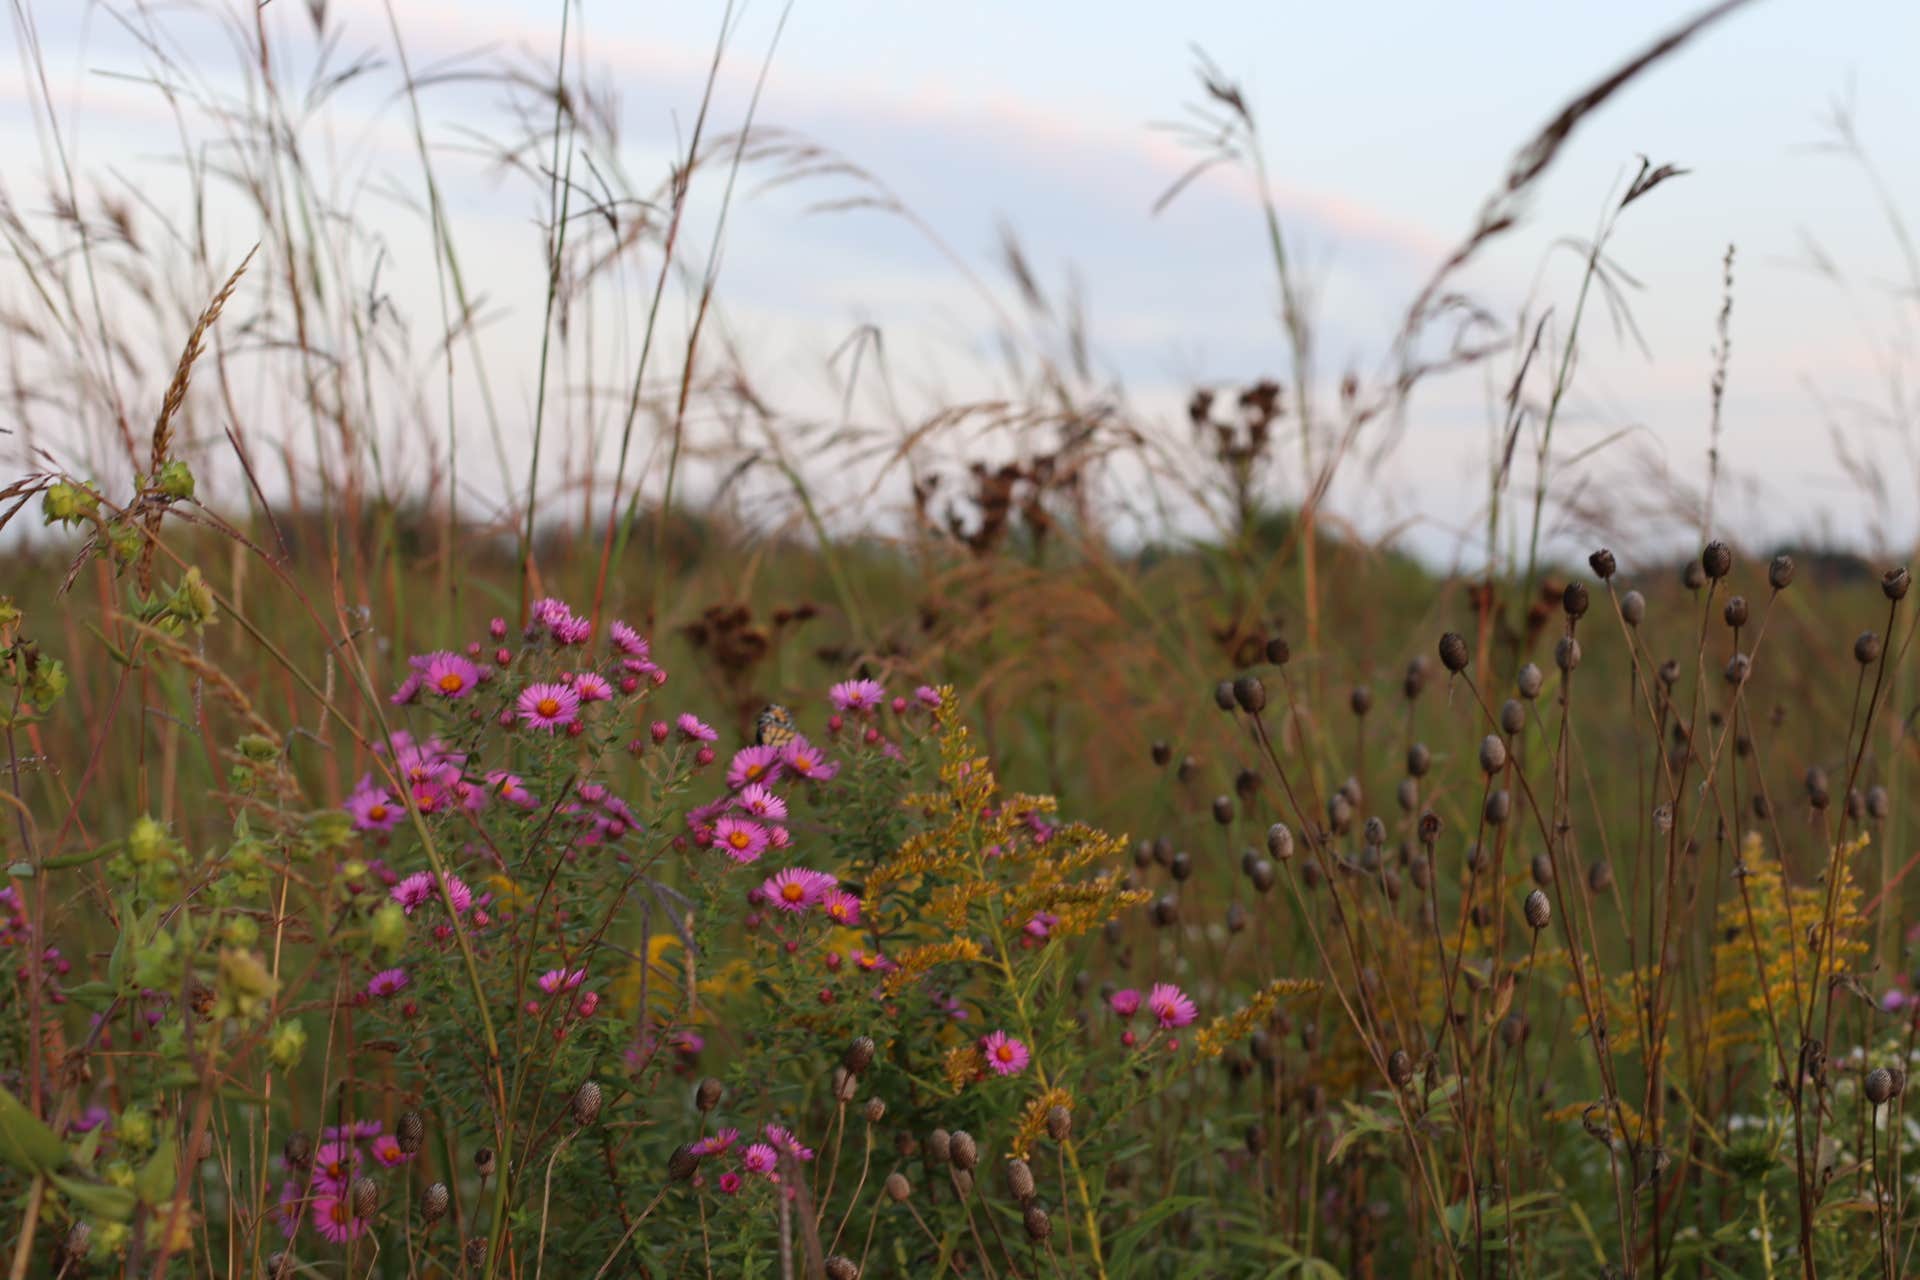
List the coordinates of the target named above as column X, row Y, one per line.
column 1878, row 802
column 965, row 1151
column 1633, row 607
column 298, row 1149
column 875, row 1111
column 1539, row 910
column 1780, row 572
column 366, row 1197
column 1262, row 875
column 433, row 1203
column 1223, row 695
column 1879, row 1086
column 940, row 1146
column 1866, row 648
column 1717, row 560
column 898, row 1188
column 1280, row 841
column 1453, row 652
column 1499, row 806
column 1223, row 809
column 1739, row 667
column 841, row 1267
column 1020, row 1180
column 483, row 1162
column 1360, row 701
column 1566, row 654
column 707, row 1096
column 1513, row 716
column 476, row 1252
column 1162, row 753
column 1529, row 680
column 1817, row 787
column 1419, row 760
column 1894, row 583
column 859, row 1055
column 1542, row 870
column 1278, row 652
column 1602, row 564
column 1400, row 1068
column 1039, row 1225
column 1493, row 754
column 845, row 1085
column 683, row 1163
column 1599, row 875
column 410, row 1132
column 586, row 1103
column 1059, row 1122
column 1250, row 693
column 1574, row 599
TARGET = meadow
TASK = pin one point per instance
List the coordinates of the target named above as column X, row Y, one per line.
column 599, row 882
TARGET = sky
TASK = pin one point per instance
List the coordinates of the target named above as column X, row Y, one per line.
column 1384, row 127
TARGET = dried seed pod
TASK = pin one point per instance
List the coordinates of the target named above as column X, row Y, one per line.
column 1599, row 875
column 1633, row 608
column 1223, row 695
column 1894, row 584
column 1246, row 784
column 410, row 1133
column 1311, row 876
column 1877, row 802
column 1421, row 871
column 1223, row 809
column 1374, row 833
column 963, row 1150
column 1400, row 1068
column 1529, row 680
column 586, row 1103
column 707, row 1096
column 1780, row 572
column 1236, row 918
column 1574, row 599
column 297, row 1151
column 1415, row 680
column 1429, row 827
column 963, row 1182
column 846, row 1085
column 841, row 1267
column 1262, row 876
column 1059, row 1122
column 1419, row 760
column 875, row 1111
column 1866, row 648
column 1717, row 560
column 1493, row 754
column 1360, row 701
column 1280, row 841
column 1499, row 806
column 433, row 1203
column 1739, row 667
column 1166, row 911
column 683, row 1163
column 1250, row 693
column 1453, row 652
column 1735, row 613
column 1162, row 850
column 1406, row 793
column 1339, row 812
column 1542, row 870
column 476, row 1252
column 1039, row 1225
column 366, row 1197
column 1539, row 910
column 1020, row 1180
column 1692, row 576
column 859, row 1054
column 898, row 1188
column 1602, row 564
column 1566, row 653
column 1879, row 1086
column 1161, row 753
column 1670, row 672
column 1513, row 1030
column 1278, row 652
column 1189, row 765
column 483, row 1162
column 1513, row 716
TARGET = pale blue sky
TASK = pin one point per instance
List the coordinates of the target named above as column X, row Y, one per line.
column 1386, row 124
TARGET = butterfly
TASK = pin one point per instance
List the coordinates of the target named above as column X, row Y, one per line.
column 775, row 727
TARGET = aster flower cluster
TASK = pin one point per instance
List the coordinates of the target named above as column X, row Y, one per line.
column 324, row 1199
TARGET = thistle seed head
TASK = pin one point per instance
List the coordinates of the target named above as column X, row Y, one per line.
column 859, row 1055
column 840, row 1267
column 1539, row 910
column 1039, row 1225
column 1574, row 599
column 1400, row 1068
column 1059, row 1122
column 1736, row 612
column 586, row 1103
column 410, row 1132
column 433, row 1203
column 876, row 1111
column 1879, row 1086
column 484, row 1162
column 1493, row 754
column 1020, row 1180
column 1360, row 701
column 1866, row 648
column 1223, row 695
column 1280, row 841
column 965, row 1151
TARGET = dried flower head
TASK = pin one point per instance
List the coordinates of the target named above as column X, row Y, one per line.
column 433, row 1203
column 1453, row 652
column 1250, row 693
column 1539, row 910
column 1780, row 572
column 586, row 1103
column 1602, row 564
column 1894, row 583
column 1717, row 560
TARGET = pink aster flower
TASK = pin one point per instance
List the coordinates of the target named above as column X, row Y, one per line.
column 509, row 788
column 461, row 895
column 754, row 764
column 334, row 1165
column 592, row 687
column 842, row 907
column 450, row 675
column 794, row 889
column 386, row 982
column 415, row 891
column 860, row 697
column 740, row 840
column 1171, row 1006
column 627, row 640
column 694, row 729
column 548, row 706
column 372, row 809
column 759, row 1158
column 387, row 1153
column 805, row 760
column 783, row 1140
column 1041, row 925
column 729, row 1183
column 762, row 803
column 333, row 1218
column 290, row 1209
column 554, row 981
column 406, row 691
column 1125, row 1002
column 716, row 1143
column 1005, row 1055
column 928, row 696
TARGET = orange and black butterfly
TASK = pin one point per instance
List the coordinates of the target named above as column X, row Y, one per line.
column 775, row 727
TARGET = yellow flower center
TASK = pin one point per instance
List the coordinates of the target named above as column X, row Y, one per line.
column 1004, row 1053
column 377, row 813
column 792, row 892
column 548, row 706
column 755, row 770
column 739, row 839
column 452, row 682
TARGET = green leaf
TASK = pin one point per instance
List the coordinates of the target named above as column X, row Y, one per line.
column 97, row 1198
column 25, row 1140
column 83, row 857
column 154, row 1182
column 1128, row 1241
column 91, row 995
